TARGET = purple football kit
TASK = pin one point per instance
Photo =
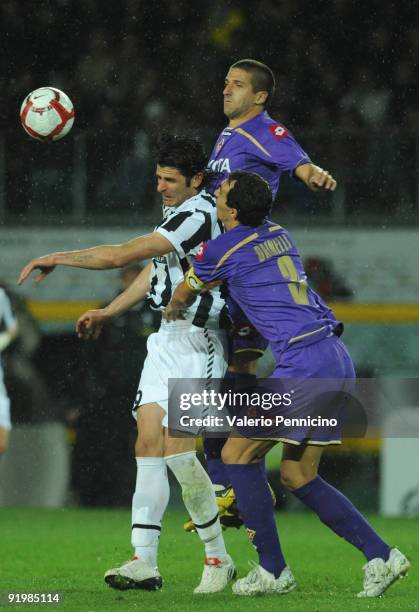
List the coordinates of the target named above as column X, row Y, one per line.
column 260, row 145
column 266, row 147
column 265, row 277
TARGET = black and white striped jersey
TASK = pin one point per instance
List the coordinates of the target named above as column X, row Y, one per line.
column 7, row 321
column 187, row 226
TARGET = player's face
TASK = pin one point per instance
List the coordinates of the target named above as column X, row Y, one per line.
column 172, row 186
column 239, row 97
column 224, row 212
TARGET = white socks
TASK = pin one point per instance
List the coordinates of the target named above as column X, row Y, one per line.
column 151, row 497
column 199, row 498
column 149, row 503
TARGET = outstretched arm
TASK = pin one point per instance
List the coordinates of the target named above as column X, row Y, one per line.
column 100, row 257
column 91, row 323
column 315, row 177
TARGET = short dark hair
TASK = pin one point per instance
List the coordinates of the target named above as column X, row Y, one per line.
column 262, row 76
column 181, row 152
column 251, row 196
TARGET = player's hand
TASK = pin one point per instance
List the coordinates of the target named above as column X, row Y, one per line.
column 45, row 264
column 321, row 179
column 171, row 313
column 89, row 326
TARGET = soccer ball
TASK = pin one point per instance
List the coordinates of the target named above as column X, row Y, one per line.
column 47, row 114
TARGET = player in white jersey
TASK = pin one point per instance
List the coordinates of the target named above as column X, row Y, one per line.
column 8, row 331
column 192, row 348
column 184, row 226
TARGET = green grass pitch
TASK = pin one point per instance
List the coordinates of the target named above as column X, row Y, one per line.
column 68, row 551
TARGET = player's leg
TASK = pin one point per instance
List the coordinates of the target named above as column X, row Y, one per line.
column 149, row 503
column 197, row 493
column 246, row 346
column 199, row 499
column 5, row 423
column 240, row 374
column 240, row 362
column 4, row 439
column 299, row 468
column 243, row 458
column 242, row 368
column 200, row 353
column 151, row 494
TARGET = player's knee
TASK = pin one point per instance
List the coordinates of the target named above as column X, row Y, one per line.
column 148, row 445
column 177, row 446
column 230, row 454
column 150, row 436
column 292, row 476
column 288, row 480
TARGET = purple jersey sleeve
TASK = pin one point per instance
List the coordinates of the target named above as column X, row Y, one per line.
column 210, row 264
column 281, row 148
column 260, row 145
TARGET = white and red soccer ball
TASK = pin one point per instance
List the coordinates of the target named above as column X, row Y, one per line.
column 47, row 114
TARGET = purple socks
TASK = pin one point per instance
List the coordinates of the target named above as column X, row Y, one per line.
column 340, row 515
column 255, row 504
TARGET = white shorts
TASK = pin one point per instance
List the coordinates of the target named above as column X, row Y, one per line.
column 4, row 408
column 179, row 350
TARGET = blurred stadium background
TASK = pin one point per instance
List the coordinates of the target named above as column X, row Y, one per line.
column 347, row 88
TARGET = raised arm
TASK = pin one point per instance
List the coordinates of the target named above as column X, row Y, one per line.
column 315, row 177
column 90, row 324
column 100, row 257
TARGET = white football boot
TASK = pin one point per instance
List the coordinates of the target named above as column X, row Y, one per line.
column 216, row 575
column 380, row 574
column 134, row 574
column 259, row 581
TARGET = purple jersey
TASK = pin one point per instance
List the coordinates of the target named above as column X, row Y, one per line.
column 265, row 277
column 260, row 145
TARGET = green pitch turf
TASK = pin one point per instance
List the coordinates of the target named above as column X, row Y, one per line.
column 69, row 550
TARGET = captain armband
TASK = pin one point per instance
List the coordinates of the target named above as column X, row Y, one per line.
column 193, row 282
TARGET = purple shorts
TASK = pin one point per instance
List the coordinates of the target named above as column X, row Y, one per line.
column 311, row 386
